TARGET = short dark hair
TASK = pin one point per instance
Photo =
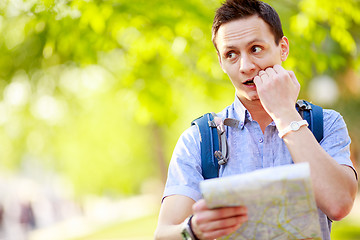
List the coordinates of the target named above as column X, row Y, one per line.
column 236, row 9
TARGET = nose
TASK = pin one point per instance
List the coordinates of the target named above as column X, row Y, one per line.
column 246, row 64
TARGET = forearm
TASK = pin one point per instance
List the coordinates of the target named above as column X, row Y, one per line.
column 168, row 232
column 174, row 210
column 334, row 185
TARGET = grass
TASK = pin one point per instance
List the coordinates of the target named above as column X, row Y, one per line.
column 143, row 229
column 346, row 230
column 139, row 229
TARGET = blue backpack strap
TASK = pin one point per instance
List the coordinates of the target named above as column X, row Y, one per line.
column 209, row 143
column 313, row 114
column 209, row 139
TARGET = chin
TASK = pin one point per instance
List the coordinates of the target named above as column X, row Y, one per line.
column 248, row 96
column 249, row 99
column 254, row 97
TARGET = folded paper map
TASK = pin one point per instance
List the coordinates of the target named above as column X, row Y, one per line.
column 280, row 202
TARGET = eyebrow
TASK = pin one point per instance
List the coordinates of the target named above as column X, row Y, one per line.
column 248, row 44
column 256, row 40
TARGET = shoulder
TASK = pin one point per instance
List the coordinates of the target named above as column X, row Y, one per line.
column 335, row 129
column 331, row 114
column 332, row 119
column 336, row 141
column 191, row 134
column 190, row 138
column 188, row 143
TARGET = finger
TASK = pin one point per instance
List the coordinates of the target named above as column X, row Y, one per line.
column 220, row 232
column 271, row 72
column 287, row 74
column 257, row 81
column 261, row 72
column 200, row 206
column 236, row 221
column 195, row 228
column 293, row 78
column 265, row 77
column 279, row 69
column 220, row 213
column 281, row 72
column 217, row 222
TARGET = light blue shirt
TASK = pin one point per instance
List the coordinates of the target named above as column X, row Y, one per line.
column 249, row 149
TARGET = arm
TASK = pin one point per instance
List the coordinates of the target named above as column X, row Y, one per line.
column 335, row 185
column 206, row 223
column 174, row 210
column 181, row 191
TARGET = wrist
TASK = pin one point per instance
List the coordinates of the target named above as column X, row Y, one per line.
column 187, row 231
column 191, row 228
column 285, row 120
column 293, row 127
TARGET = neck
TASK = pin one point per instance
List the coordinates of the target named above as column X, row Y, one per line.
column 257, row 112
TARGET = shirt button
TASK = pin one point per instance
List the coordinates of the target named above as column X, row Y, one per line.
column 261, row 140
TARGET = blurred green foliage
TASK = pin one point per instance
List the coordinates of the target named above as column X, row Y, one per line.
column 99, row 91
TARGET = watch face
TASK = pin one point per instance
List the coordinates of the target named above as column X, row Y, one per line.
column 294, row 126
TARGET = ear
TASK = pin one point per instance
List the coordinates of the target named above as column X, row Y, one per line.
column 220, row 62
column 284, row 48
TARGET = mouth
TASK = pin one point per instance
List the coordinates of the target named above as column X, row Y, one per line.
column 249, row 82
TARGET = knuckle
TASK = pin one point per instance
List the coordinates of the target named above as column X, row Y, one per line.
column 199, row 220
column 268, row 69
column 194, row 208
column 203, row 228
column 276, row 78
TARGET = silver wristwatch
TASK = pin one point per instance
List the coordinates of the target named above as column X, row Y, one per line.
column 187, row 233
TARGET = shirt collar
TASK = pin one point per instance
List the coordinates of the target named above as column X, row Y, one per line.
column 242, row 114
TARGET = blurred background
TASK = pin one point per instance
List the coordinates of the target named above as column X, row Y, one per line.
column 94, row 95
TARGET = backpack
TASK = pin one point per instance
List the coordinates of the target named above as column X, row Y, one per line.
column 212, row 140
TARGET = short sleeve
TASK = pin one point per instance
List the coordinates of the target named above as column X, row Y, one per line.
column 184, row 174
column 336, row 141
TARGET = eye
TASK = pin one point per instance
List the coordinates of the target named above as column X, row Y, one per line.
column 230, row 55
column 256, row 49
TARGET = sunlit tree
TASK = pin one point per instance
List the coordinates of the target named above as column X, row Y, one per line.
column 99, row 91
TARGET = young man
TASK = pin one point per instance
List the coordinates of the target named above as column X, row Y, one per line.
column 248, row 37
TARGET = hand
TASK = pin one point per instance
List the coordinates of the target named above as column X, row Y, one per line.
column 278, row 90
column 214, row 223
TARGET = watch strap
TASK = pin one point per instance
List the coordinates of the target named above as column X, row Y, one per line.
column 195, row 237
column 187, row 232
column 293, row 126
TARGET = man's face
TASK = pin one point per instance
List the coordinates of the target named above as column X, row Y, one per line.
column 246, row 46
